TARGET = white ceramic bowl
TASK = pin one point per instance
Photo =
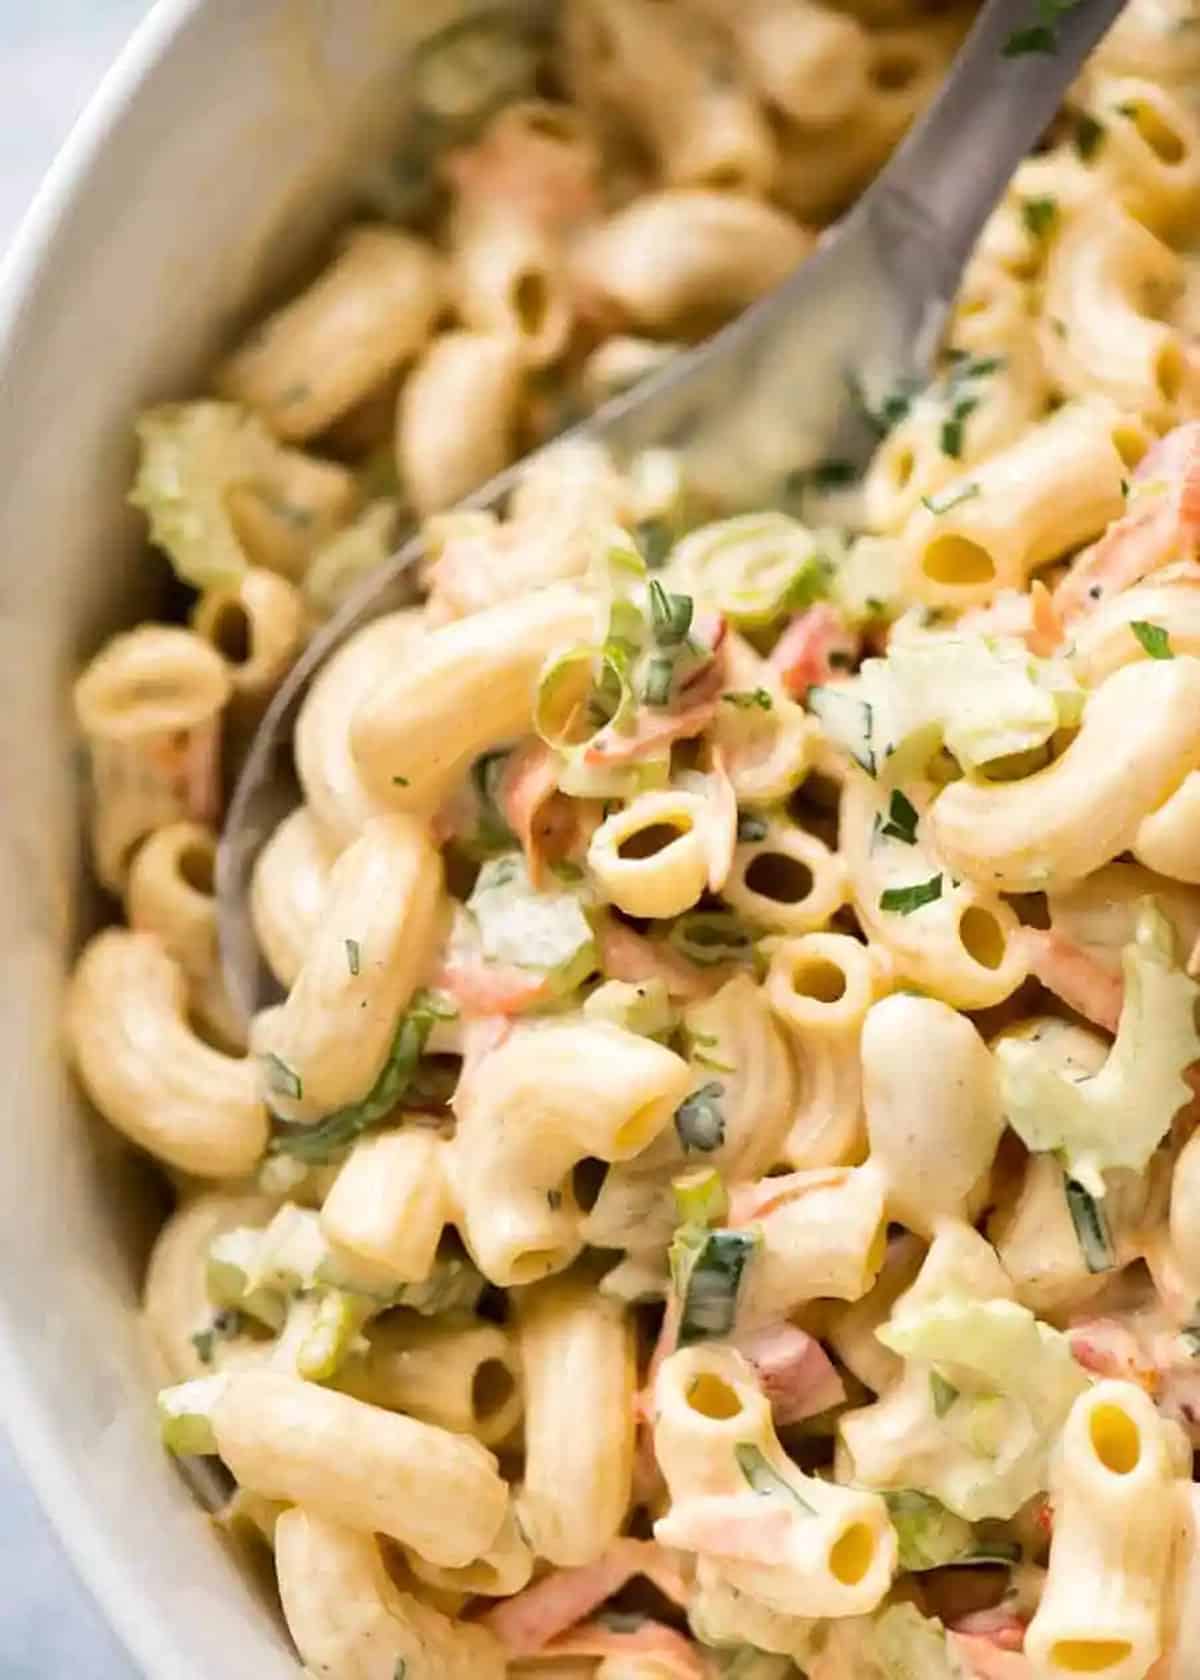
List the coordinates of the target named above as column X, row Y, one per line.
column 214, row 155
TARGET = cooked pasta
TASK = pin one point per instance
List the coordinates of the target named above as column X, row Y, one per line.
column 729, row 1129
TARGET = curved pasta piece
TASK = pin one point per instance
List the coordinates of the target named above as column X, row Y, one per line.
column 788, row 882
column 475, row 376
column 1103, row 640
column 334, row 1032
column 469, row 686
column 1135, row 746
column 391, row 1200
column 351, row 1622
column 1150, row 156
column 370, row 310
column 659, row 854
column 578, row 1359
column 674, row 254
column 147, row 1072
column 1167, row 840
column 287, row 1439
column 822, row 1236
column 806, row 60
column 552, row 1094
column 287, row 892
column 258, row 625
column 503, row 1569
column 337, row 799
column 510, row 281
column 149, row 705
column 463, row 1376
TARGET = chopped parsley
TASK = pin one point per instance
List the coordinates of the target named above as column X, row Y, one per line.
column 764, row 1479
column 353, row 956
column 746, row 698
column 1153, row 638
column 1088, row 135
column 952, row 429
column 670, row 615
column 1091, row 1228
column 902, row 819
column 1042, row 36
column 699, row 1120
column 750, row 828
column 904, row 900
column 1039, row 215
column 282, row 1080
column 400, row 781
column 706, row 1274
column 942, row 1393
column 832, row 475
column 951, row 498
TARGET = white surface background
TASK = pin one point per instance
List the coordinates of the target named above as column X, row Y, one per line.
column 52, row 54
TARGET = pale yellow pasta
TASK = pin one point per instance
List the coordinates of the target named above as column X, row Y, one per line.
column 176, row 1306
column 469, row 686
column 390, row 1202
column 1037, row 1243
column 476, row 376
column 764, row 752
column 820, row 987
column 1182, row 1628
column 620, row 363
column 787, row 882
column 259, row 626
column 1116, row 1472
column 147, row 1072
column 1102, row 641
column 351, row 1622
column 806, row 60
column 824, row 1550
column 285, row 515
column 550, row 1095
column 962, row 946
column 720, row 1615
column 338, row 802
column 580, row 1376
column 372, row 309
column 1135, row 746
column 510, row 282
column 169, row 892
column 660, row 853
column 686, row 252
column 992, row 308
column 1154, row 38
column 464, row 1376
column 822, row 1237
column 1053, row 489
column 1185, row 1211
column 672, row 84
column 288, row 888
column 1108, row 279
column 149, row 705
column 1149, row 150
column 1168, row 840
column 434, row 1491
column 330, row 1039
column 851, row 1329
column 1101, row 912
column 932, row 1100
column 502, row 1570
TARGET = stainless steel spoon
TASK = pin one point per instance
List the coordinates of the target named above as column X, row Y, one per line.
column 777, row 391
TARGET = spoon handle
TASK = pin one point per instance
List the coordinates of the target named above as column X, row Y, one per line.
column 955, row 164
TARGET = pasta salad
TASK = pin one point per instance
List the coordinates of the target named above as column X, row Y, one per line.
column 719, row 1194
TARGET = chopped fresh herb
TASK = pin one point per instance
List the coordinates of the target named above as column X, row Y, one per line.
column 904, row 900
column 401, row 1669
column 203, row 1341
column 654, row 540
column 952, row 498
column 1039, row 215
column 832, row 475
column 764, row 1478
column 699, row 1120
column 700, row 1197
column 1088, row 135
column 1058, row 327
column 902, row 819
column 1153, row 638
column 660, row 678
column 952, row 429
column 942, row 1393
column 893, row 406
column 1091, row 1228
column 353, row 955
column 1042, row 36
column 1125, row 487
column 318, row 1144
column 281, row 1079
column 670, row 615
column 400, row 781
column 706, row 1274
column 228, row 1322
column 746, row 698
column 709, row 937
column 847, row 720
column 750, row 828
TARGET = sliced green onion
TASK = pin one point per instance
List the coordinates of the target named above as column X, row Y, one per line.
column 706, row 1274
column 711, row 937
column 700, row 1197
column 942, row 1393
column 764, row 1478
column 670, row 615
column 902, row 901
column 902, row 819
column 1091, row 1228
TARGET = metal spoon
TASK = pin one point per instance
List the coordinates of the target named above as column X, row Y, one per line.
column 777, row 391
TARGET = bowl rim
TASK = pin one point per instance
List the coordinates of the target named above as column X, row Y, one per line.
column 77, row 1524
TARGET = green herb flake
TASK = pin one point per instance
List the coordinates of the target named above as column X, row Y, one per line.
column 902, row 819
column 942, row 1393
column 1088, row 135
column 660, row 679
column 1153, row 638
column 952, row 429
column 750, row 828
column 1037, row 39
column 904, row 900
column 670, row 615
column 747, row 698
column 203, row 1341
column 699, row 1120
column 354, row 956
column 833, row 475
column 1091, row 1228
column 706, row 1274
column 282, row 1080
column 765, row 1479
column 951, row 498
column 1039, row 215
column 400, row 781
